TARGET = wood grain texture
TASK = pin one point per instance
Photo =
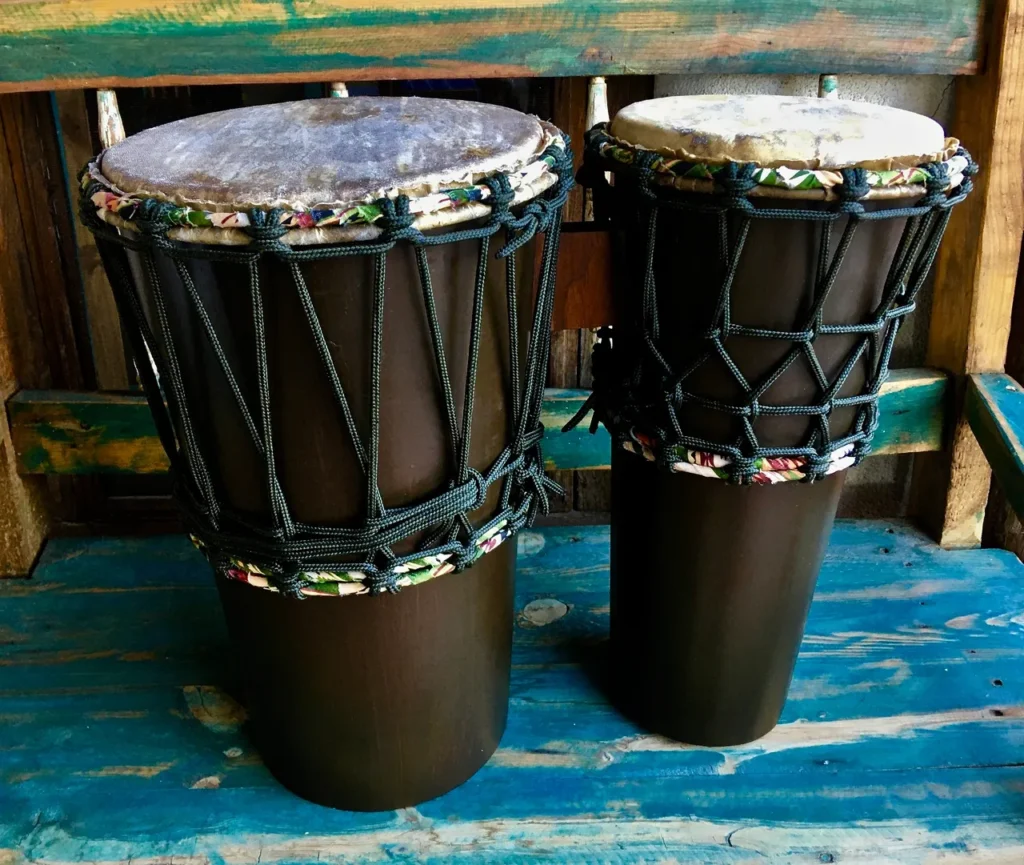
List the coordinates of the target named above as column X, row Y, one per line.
column 994, row 408
column 900, row 742
column 67, row 433
column 583, row 297
column 104, row 326
column 83, row 433
column 976, row 271
column 24, row 502
column 47, row 44
column 1003, row 528
column 568, row 110
column 41, row 320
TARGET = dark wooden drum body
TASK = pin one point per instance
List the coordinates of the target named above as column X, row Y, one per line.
column 374, row 701
column 367, row 698
column 755, row 310
column 710, row 581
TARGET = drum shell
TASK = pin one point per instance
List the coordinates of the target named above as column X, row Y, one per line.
column 362, row 702
column 711, row 582
column 710, row 588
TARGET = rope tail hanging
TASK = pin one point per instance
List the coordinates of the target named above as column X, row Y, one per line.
column 297, row 558
column 638, row 395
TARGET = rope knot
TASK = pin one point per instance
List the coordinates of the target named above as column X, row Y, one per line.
column 265, row 228
column 817, row 466
column 379, row 582
column 502, row 193
column 480, row 483
column 288, row 580
column 153, row 217
column 737, row 180
column 397, row 218
column 853, row 188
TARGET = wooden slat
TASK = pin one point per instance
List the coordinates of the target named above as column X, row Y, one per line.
column 976, row 272
column 994, row 407
column 900, row 740
column 51, row 44
column 42, row 331
column 583, row 298
column 82, row 433
column 57, row 432
column 568, row 106
column 104, row 326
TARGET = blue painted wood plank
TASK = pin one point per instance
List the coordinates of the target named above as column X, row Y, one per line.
column 994, row 406
column 912, row 407
column 902, row 739
column 47, row 45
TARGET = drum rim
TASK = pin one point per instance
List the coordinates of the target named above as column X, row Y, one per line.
column 695, row 139
column 452, row 204
column 808, row 184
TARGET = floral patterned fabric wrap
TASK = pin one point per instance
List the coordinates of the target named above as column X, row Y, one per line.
column 333, row 584
column 821, row 183
column 769, row 470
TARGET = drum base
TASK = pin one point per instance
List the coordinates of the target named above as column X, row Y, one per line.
column 710, row 588
column 375, row 703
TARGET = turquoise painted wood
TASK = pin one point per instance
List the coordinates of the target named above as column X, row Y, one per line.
column 64, row 432
column 49, row 44
column 994, row 406
column 902, row 740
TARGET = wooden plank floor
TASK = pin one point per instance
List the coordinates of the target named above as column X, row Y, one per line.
column 902, row 741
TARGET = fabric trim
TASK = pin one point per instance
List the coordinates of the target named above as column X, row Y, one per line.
column 770, row 470
column 334, row 584
column 903, row 181
column 454, row 203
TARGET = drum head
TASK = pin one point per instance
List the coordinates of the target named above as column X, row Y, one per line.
column 782, row 131
column 323, row 153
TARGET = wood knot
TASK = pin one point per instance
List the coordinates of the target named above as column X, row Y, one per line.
column 541, row 612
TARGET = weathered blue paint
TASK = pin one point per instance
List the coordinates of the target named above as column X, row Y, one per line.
column 46, row 46
column 66, row 432
column 994, row 406
column 903, row 737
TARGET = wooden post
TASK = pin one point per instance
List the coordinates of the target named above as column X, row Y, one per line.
column 104, row 325
column 828, row 86
column 24, row 502
column 976, row 272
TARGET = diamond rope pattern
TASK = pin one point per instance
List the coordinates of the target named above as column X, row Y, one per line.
column 640, row 395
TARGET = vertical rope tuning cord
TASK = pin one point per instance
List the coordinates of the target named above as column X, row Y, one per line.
column 283, row 548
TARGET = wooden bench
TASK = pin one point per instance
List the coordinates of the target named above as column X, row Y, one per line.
column 901, row 740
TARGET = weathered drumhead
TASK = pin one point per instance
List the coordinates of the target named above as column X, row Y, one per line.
column 323, row 153
column 775, row 131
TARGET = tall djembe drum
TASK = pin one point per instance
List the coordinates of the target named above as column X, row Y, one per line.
column 769, row 249
column 334, row 312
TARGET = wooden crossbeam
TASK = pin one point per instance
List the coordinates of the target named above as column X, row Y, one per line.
column 59, row 432
column 52, row 44
column 976, row 272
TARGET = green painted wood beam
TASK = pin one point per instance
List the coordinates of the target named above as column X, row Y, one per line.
column 994, row 406
column 47, row 44
column 59, row 432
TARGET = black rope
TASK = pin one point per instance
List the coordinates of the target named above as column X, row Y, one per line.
column 639, row 390
column 283, row 548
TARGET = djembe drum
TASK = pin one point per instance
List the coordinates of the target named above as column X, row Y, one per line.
column 333, row 311
column 768, row 250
